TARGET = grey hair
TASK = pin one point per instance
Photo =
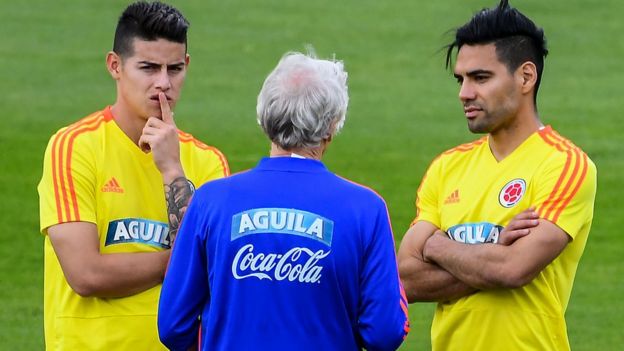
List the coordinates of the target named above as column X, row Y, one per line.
column 303, row 101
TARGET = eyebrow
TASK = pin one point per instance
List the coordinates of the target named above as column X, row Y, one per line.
column 154, row 64
column 477, row 72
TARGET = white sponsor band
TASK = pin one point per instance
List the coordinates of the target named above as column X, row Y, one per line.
column 288, row 266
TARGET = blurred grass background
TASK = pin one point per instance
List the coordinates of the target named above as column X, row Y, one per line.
column 403, row 112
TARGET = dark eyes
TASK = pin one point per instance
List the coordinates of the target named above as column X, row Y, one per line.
column 157, row 68
column 477, row 79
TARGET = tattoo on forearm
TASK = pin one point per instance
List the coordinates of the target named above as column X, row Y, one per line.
column 178, row 194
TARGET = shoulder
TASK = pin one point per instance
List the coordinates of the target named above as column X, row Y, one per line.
column 191, row 144
column 459, row 153
column 217, row 190
column 358, row 193
column 564, row 154
column 464, row 149
column 193, row 149
column 226, row 182
column 81, row 132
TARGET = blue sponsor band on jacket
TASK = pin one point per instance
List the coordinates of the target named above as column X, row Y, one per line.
column 282, row 221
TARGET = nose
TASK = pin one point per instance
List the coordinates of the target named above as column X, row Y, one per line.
column 466, row 92
column 163, row 81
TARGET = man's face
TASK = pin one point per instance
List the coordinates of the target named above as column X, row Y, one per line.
column 154, row 67
column 488, row 91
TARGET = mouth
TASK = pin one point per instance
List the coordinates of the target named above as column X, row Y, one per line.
column 471, row 111
column 155, row 98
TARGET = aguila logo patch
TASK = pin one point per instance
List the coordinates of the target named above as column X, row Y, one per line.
column 512, row 192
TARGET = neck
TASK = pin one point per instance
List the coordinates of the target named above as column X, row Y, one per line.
column 506, row 139
column 315, row 153
column 130, row 124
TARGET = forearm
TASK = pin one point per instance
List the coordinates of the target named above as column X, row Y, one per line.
column 178, row 194
column 121, row 274
column 424, row 281
column 483, row 266
column 429, row 282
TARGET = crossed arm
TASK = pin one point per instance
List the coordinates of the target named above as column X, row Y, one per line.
column 435, row 268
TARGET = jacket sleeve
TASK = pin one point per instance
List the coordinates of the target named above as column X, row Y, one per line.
column 383, row 321
column 185, row 290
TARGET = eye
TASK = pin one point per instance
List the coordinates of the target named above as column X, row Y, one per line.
column 481, row 78
column 175, row 69
column 148, row 68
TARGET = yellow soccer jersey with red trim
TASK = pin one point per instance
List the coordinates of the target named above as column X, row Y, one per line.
column 94, row 173
column 471, row 196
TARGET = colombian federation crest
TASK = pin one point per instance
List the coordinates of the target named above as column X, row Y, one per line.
column 512, row 192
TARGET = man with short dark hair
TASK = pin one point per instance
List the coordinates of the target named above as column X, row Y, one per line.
column 287, row 256
column 108, row 228
column 500, row 288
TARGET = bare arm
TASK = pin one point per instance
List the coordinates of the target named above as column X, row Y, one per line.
column 421, row 280
column 160, row 136
column 77, row 245
column 92, row 274
column 425, row 280
column 490, row 266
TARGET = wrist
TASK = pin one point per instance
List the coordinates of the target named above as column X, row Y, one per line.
column 172, row 173
column 432, row 246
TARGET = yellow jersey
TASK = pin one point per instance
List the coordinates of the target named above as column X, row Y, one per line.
column 472, row 196
column 94, row 173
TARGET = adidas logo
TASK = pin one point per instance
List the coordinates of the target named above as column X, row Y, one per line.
column 112, row 186
column 453, row 198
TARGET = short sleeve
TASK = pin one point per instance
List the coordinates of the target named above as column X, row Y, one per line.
column 202, row 163
column 566, row 192
column 67, row 186
column 427, row 204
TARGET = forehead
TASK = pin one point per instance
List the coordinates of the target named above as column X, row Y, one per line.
column 477, row 57
column 161, row 51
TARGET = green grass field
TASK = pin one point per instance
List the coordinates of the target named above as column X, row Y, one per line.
column 403, row 111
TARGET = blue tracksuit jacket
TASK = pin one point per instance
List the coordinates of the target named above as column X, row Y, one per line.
column 285, row 256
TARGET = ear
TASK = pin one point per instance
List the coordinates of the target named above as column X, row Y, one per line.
column 113, row 64
column 527, row 75
column 187, row 60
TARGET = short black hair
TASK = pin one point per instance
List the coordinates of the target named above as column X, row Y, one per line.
column 148, row 21
column 517, row 39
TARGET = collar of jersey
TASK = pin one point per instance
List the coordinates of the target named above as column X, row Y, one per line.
column 290, row 164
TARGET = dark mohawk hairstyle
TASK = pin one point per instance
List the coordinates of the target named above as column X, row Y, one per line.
column 516, row 38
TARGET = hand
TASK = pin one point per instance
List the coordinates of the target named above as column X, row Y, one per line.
column 519, row 226
column 161, row 138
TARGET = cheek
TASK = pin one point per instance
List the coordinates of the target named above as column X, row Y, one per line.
column 178, row 80
column 138, row 79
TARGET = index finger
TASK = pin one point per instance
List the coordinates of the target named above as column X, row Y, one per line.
column 165, row 109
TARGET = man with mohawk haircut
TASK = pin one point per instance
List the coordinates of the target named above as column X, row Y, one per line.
column 501, row 222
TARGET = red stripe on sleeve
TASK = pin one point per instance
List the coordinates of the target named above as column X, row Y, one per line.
column 570, row 171
column 57, row 168
column 577, row 186
column 72, row 189
column 59, row 211
column 547, row 137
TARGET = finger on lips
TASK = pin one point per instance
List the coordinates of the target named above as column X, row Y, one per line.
column 165, row 109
